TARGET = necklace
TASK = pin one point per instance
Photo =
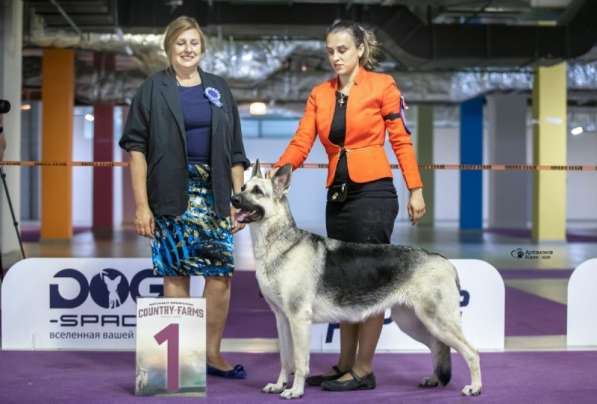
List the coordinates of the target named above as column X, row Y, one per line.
column 341, row 98
column 179, row 84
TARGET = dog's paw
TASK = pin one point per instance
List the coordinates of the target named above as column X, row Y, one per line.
column 429, row 382
column 273, row 388
column 471, row 390
column 289, row 394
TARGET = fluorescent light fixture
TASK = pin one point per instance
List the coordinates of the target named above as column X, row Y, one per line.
column 89, row 117
column 577, row 131
column 258, row 108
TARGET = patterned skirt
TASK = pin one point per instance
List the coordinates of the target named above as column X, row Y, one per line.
column 198, row 242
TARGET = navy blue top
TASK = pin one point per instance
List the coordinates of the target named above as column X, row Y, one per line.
column 197, row 122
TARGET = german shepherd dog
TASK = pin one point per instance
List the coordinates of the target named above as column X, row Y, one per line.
column 306, row 278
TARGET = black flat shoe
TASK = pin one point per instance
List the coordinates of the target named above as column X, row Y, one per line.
column 356, row 383
column 238, row 372
column 318, row 379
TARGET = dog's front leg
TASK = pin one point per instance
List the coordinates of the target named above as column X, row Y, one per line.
column 286, row 360
column 300, row 325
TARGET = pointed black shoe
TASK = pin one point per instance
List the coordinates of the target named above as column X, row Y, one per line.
column 356, row 383
column 318, row 379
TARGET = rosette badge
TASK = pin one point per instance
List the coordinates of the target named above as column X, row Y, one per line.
column 214, row 96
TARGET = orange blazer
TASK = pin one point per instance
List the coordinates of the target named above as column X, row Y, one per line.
column 374, row 106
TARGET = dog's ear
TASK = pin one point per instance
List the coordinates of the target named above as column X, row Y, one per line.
column 256, row 170
column 281, row 180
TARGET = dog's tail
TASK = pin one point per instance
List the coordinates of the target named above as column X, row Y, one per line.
column 443, row 364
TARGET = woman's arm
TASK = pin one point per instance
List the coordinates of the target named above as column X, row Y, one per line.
column 299, row 147
column 402, row 145
column 134, row 140
column 238, row 179
column 144, row 221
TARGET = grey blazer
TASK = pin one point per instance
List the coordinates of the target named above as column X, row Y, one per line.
column 155, row 127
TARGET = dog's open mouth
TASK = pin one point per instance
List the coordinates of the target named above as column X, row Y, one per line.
column 248, row 216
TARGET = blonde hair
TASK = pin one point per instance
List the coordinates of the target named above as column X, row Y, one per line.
column 361, row 36
column 177, row 27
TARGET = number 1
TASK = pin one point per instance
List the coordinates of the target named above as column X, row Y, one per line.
column 170, row 334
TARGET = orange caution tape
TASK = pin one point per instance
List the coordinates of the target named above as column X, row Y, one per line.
column 464, row 167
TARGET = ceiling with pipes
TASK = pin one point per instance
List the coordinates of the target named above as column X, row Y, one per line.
column 439, row 51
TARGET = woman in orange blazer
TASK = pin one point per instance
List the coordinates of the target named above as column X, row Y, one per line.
column 351, row 114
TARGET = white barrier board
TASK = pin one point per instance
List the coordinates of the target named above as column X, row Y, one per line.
column 482, row 303
column 89, row 303
column 582, row 305
column 76, row 303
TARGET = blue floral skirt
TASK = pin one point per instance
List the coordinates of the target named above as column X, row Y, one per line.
column 198, row 242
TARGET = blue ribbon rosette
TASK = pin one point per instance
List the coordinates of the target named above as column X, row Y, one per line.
column 214, row 96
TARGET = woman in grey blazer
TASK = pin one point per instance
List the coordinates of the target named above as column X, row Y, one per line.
column 186, row 156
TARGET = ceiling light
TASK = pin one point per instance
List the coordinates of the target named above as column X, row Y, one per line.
column 577, row 131
column 89, row 117
column 258, row 108
column 25, row 107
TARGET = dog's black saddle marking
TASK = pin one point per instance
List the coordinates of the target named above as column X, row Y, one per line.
column 361, row 274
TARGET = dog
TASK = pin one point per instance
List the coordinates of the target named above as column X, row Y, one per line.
column 306, row 278
column 112, row 286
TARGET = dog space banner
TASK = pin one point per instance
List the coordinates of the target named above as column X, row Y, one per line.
column 75, row 303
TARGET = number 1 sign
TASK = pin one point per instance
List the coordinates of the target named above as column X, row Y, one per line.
column 171, row 347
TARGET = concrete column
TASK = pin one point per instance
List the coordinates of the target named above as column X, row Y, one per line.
column 509, row 205
column 471, row 152
column 58, row 96
column 549, row 147
column 11, row 45
column 103, row 146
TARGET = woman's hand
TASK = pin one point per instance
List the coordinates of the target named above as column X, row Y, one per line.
column 236, row 226
column 271, row 172
column 144, row 222
column 416, row 205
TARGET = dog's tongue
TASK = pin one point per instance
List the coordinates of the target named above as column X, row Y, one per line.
column 241, row 215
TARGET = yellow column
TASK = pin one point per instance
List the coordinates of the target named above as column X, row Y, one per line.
column 549, row 147
column 58, row 90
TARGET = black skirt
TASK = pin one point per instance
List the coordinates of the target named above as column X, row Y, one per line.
column 367, row 215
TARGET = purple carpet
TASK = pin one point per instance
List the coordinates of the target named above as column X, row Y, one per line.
column 577, row 236
column 526, row 314
column 248, row 307
column 531, row 315
column 95, row 377
column 32, row 233
column 535, row 273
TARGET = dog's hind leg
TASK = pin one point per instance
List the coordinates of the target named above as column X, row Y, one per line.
column 442, row 362
column 286, row 357
column 444, row 324
column 300, row 324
